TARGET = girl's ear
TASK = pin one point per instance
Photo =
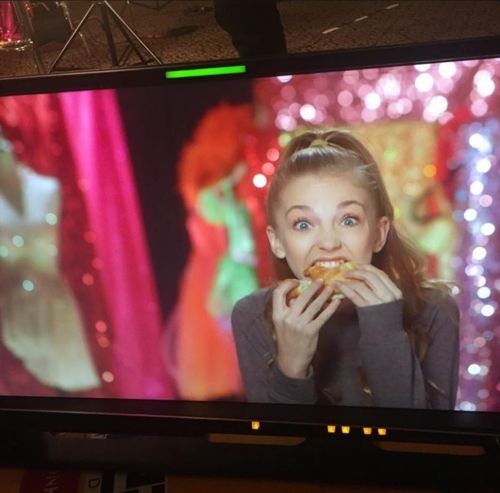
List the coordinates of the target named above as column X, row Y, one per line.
column 275, row 242
column 382, row 230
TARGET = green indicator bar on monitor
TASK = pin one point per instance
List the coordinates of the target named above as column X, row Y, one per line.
column 203, row 72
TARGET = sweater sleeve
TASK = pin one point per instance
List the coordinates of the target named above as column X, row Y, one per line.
column 441, row 362
column 395, row 375
column 262, row 378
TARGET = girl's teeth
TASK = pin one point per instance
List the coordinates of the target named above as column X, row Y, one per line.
column 330, row 264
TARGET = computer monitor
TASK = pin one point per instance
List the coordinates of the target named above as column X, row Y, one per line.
column 146, row 278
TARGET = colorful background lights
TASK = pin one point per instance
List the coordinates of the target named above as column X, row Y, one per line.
column 478, row 265
column 435, row 131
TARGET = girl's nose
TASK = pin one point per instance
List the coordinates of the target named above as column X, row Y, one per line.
column 328, row 239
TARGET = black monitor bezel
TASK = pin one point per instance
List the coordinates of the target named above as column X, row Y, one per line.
column 127, row 416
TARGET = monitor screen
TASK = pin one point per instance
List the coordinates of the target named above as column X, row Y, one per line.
column 158, row 239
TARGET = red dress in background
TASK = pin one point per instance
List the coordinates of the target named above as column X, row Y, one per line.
column 206, row 358
column 199, row 345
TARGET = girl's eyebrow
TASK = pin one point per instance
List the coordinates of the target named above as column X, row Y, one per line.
column 301, row 207
column 347, row 203
column 340, row 205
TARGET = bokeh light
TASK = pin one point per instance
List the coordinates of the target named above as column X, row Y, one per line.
column 259, row 180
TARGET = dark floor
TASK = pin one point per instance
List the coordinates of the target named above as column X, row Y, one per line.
column 179, row 31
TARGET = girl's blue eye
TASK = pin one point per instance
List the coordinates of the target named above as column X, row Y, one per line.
column 350, row 221
column 301, row 225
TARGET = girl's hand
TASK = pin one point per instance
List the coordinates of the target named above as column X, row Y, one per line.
column 376, row 289
column 298, row 325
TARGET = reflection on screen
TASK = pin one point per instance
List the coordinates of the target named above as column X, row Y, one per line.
column 133, row 220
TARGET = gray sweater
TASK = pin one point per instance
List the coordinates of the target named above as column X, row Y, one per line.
column 364, row 358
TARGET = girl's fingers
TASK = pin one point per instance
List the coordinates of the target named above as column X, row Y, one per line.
column 321, row 319
column 305, row 297
column 279, row 295
column 358, row 293
column 315, row 306
column 373, row 282
column 379, row 278
column 385, row 279
column 282, row 308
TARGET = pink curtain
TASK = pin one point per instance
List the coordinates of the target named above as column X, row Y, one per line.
column 97, row 142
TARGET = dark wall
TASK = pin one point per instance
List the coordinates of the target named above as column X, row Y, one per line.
column 158, row 122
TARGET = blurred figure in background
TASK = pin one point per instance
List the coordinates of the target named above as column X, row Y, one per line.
column 221, row 267
column 40, row 320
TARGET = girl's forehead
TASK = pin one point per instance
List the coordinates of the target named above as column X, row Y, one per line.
column 323, row 186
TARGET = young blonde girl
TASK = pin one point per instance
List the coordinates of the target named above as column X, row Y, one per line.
column 392, row 341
